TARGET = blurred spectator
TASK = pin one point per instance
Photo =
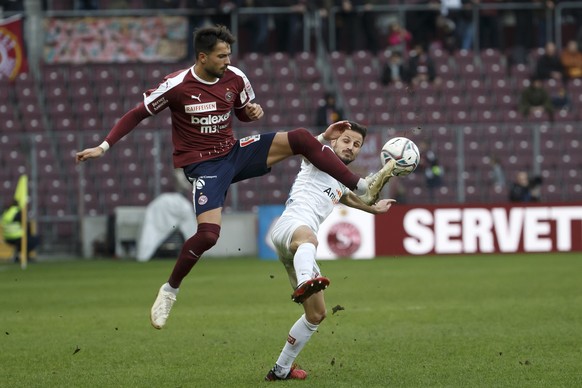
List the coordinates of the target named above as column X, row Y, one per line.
column 497, row 173
column 329, row 112
column 257, row 25
column 561, row 100
column 351, row 20
column 423, row 24
column 86, row 5
column 549, row 64
column 420, row 66
column 572, row 60
column 525, row 189
column 462, row 15
column 398, row 37
column 12, row 5
column 489, row 26
column 536, row 97
column 13, row 233
column 289, row 26
column 397, row 191
column 530, row 21
column 433, row 172
column 394, row 69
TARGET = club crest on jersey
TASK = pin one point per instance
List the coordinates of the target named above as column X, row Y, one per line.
column 229, row 96
column 245, row 141
column 202, row 200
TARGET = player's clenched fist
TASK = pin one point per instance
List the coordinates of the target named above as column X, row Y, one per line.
column 89, row 153
column 254, row 111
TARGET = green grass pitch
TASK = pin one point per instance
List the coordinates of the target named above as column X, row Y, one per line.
column 470, row 321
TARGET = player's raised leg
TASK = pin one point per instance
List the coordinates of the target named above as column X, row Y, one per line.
column 301, row 142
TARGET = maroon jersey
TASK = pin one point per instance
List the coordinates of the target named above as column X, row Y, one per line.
column 201, row 112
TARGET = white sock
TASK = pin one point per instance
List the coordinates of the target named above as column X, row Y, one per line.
column 299, row 334
column 171, row 289
column 362, row 187
column 303, row 262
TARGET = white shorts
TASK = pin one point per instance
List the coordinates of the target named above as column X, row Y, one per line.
column 281, row 236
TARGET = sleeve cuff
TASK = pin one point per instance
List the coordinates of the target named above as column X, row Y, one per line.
column 105, row 146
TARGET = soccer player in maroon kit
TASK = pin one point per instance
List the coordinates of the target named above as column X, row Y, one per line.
column 201, row 100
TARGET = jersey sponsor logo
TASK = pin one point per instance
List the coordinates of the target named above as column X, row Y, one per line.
column 210, row 119
column 197, row 108
column 200, row 183
column 243, row 97
column 159, row 103
column 334, row 196
column 197, row 97
column 245, row 141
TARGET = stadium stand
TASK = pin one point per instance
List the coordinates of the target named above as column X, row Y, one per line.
column 73, row 106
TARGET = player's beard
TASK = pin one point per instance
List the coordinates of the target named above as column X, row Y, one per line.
column 217, row 74
column 345, row 160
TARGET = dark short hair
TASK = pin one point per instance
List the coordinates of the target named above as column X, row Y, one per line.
column 206, row 38
column 359, row 128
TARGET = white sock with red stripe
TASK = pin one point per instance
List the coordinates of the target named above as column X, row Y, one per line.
column 299, row 334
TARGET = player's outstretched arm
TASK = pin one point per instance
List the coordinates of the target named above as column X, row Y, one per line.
column 352, row 200
column 128, row 122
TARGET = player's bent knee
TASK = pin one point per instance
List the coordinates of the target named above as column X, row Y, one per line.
column 207, row 235
column 316, row 317
column 297, row 139
column 294, row 245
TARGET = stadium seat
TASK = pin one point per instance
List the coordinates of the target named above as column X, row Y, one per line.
column 453, row 101
column 278, row 58
column 485, row 115
column 460, row 116
column 385, row 118
column 361, row 58
column 54, row 74
column 491, row 55
column 462, row 58
column 6, row 110
column 337, row 59
column 62, row 121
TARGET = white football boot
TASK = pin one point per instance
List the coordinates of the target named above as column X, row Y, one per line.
column 161, row 308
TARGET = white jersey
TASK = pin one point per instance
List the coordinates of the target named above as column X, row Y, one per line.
column 313, row 196
column 310, row 202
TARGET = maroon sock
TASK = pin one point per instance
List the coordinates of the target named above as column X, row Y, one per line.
column 303, row 143
column 204, row 239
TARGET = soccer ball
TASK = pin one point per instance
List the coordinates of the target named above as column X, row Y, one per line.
column 404, row 152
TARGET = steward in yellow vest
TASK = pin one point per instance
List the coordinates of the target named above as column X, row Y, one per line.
column 12, row 230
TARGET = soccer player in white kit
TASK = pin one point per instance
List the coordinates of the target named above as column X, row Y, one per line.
column 294, row 235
